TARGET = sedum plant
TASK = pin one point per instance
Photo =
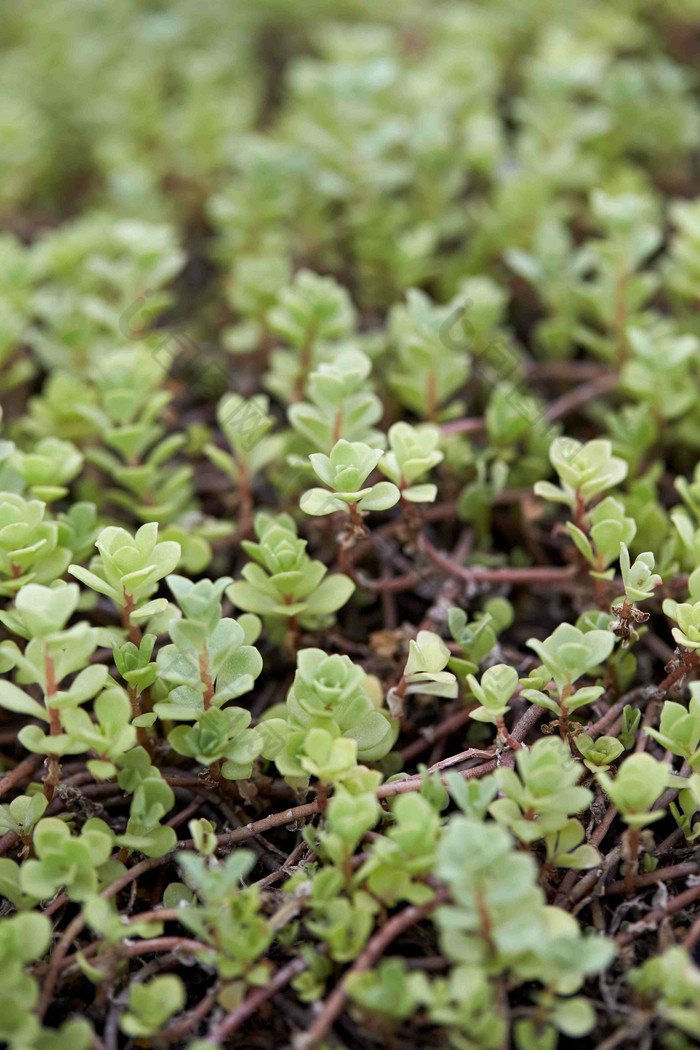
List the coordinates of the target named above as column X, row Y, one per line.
column 328, row 722
column 220, row 739
column 345, row 472
column 679, row 728
column 64, row 861
column 494, row 692
column 209, row 660
column 585, row 471
column 567, row 655
column 53, row 652
column 127, row 570
column 668, row 985
column 48, row 468
column 599, row 754
column 424, row 671
column 309, row 312
column 430, row 256
column 283, row 582
column 339, row 404
column 539, row 800
column 491, row 884
column 30, row 551
column 151, row 1004
column 609, row 529
column 429, row 371
column 245, row 423
column 639, row 783
column 639, row 581
column 413, row 452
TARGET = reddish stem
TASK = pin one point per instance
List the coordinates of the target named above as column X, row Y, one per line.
column 53, row 762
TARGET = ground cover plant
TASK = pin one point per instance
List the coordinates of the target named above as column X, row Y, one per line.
column 350, row 525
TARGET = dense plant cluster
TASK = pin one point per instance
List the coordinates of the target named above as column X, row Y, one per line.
column 350, row 525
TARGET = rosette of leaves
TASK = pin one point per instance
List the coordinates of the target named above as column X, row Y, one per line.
column 567, row 655
column 352, row 811
column 494, row 693
column 133, row 662
column 65, row 861
column 429, row 371
column 58, row 411
column 321, row 752
column 608, row 529
column 282, row 581
column 540, row 799
column 679, row 728
column 245, row 423
column 585, row 470
column 405, row 853
column 329, row 720
column 639, row 581
column 599, row 754
column 129, row 568
column 640, row 781
column 345, row 472
column 151, row 1004
column 220, row 737
column 686, row 615
column 110, row 733
column 424, row 671
column 151, row 799
column 228, row 918
column 340, row 404
column 209, row 661
column 52, row 653
column 135, row 449
column 413, row 452
column 310, row 311
column 22, row 814
column 48, row 468
column 30, row 551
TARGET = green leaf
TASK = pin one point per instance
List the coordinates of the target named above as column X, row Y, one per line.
column 14, row 699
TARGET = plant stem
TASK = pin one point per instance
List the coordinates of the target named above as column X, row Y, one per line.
column 205, row 676
column 544, row 574
column 53, row 762
column 503, row 732
column 133, row 630
column 632, row 864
